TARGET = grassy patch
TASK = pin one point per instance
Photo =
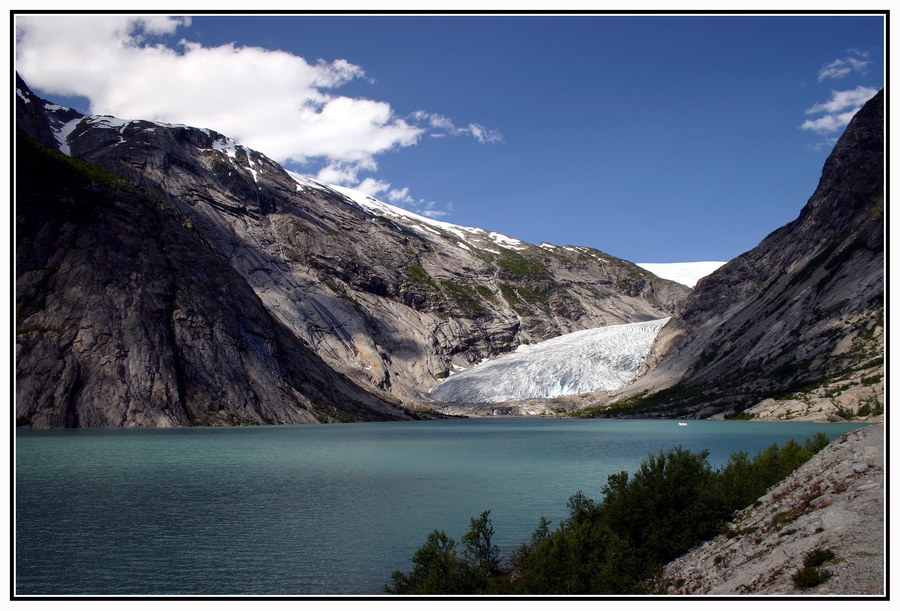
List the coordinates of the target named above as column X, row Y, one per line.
column 515, row 266
column 486, row 293
column 812, row 574
column 786, row 517
column 418, row 274
column 326, row 413
column 465, row 297
column 32, row 328
column 512, row 298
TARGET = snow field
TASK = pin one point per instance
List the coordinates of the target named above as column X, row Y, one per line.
column 606, row 358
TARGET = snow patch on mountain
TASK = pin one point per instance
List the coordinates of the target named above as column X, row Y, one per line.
column 470, row 238
column 684, row 273
column 606, row 358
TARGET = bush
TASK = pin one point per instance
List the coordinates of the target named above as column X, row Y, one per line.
column 811, row 575
column 438, row 568
column 818, row 557
column 673, row 502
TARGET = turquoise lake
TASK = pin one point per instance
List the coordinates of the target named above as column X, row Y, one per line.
column 315, row 509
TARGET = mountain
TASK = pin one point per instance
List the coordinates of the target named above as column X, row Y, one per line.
column 125, row 317
column 801, row 312
column 176, row 262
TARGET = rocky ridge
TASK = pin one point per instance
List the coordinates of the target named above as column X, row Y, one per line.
column 834, row 502
column 392, row 301
column 114, row 330
column 800, row 314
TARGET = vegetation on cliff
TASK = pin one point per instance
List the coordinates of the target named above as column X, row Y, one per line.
column 673, row 502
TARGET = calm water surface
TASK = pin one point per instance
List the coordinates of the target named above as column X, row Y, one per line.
column 327, row 509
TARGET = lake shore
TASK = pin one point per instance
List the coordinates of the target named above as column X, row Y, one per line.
column 835, row 502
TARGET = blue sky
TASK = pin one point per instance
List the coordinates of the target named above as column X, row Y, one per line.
column 655, row 138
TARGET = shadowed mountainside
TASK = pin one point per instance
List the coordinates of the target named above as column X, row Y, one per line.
column 803, row 309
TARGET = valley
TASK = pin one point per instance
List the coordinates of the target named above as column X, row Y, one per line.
column 390, row 310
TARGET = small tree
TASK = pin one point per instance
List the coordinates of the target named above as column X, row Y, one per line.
column 480, row 552
column 437, row 569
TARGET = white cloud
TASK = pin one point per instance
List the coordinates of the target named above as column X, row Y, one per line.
column 841, row 100
column 445, row 127
column 272, row 101
column 430, row 209
column 829, row 123
column 342, row 173
column 400, row 196
column 841, row 67
column 372, row 186
column 483, row 134
column 838, row 110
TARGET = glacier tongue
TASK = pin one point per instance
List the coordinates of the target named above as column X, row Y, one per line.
column 605, row 358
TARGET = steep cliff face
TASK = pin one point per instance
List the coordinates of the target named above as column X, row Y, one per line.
column 125, row 317
column 804, row 307
column 391, row 300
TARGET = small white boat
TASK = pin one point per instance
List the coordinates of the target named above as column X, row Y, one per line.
column 682, row 423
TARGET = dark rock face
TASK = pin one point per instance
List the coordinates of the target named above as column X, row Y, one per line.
column 277, row 265
column 125, row 317
column 806, row 303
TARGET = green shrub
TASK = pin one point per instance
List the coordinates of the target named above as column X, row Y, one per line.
column 486, row 292
column 674, row 501
column 818, row 557
column 465, row 298
column 811, row 575
column 740, row 416
column 418, row 274
column 786, row 517
column 518, row 267
column 439, row 569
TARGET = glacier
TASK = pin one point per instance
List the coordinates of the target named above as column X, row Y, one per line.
column 605, row 358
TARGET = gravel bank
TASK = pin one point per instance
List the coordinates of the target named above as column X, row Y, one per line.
column 834, row 502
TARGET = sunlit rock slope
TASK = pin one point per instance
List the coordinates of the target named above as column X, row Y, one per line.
column 391, row 300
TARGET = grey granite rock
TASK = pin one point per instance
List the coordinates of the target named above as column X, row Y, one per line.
column 802, row 307
column 832, row 507
column 391, row 303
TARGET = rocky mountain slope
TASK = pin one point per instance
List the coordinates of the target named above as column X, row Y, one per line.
column 802, row 310
column 125, row 317
column 384, row 298
column 834, row 503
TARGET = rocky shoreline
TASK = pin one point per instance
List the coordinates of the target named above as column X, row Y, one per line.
column 834, row 503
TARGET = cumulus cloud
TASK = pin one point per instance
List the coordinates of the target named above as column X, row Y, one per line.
column 838, row 110
column 841, row 67
column 829, row 123
column 137, row 67
column 272, row 101
column 400, row 196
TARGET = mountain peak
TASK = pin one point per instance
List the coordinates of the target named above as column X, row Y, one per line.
column 803, row 309
column 387, row 299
